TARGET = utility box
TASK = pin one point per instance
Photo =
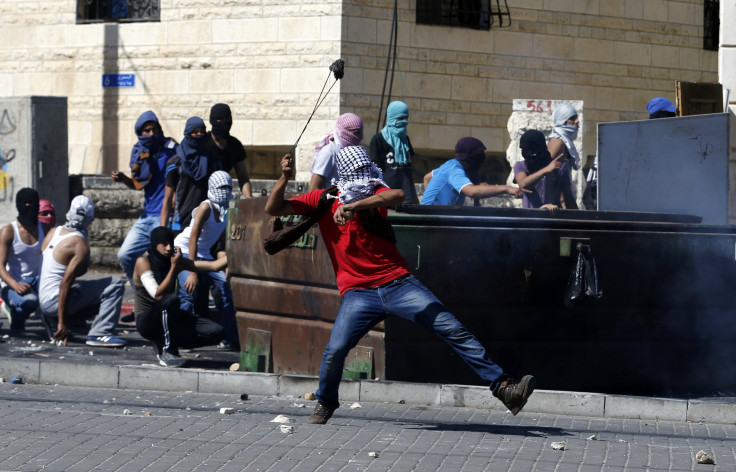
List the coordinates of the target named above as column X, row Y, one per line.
column 35, row 152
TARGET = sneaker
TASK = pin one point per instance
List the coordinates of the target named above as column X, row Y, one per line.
column 5, row 311
column 105, row 341
column 128, row 318
column 321, row 414
column 228, row 345
column 515, row 394
column 168, row 359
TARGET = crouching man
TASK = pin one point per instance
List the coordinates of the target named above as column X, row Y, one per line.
column 158, row 315
column 374, row 280
column 63, row 298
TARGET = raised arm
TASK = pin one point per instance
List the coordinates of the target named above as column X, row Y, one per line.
column 277, row 205
column 527, row 181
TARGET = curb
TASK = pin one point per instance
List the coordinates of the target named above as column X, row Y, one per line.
column 153, row 377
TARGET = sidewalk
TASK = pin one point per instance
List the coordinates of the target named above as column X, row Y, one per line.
column 31, row 357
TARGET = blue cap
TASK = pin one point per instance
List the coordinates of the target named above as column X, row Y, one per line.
column 660, row 103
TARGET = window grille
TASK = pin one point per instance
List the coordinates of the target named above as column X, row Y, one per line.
column 95, row 11
column 477, row 14
column 711, row 24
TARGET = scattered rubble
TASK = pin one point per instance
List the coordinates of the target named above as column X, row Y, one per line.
column 310, row 396
column 558, row 446
column 282, row 419
column 372, row 454
column 227, row 411
column 702, row 457
column 355, row 405
column 235, row 367
column 286, row 429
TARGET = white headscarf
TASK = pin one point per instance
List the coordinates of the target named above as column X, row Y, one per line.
column 567, row 133
column 359, row 175
column 80, row 215
column 217, row 195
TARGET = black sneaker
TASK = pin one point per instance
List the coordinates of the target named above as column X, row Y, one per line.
column 321, row 414
column 514, row 394
column 168, row 359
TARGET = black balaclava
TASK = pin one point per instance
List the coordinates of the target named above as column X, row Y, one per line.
column 221, row 120
column 534, row 150
column 27, row 214
column 470, row 153
column 160, row 264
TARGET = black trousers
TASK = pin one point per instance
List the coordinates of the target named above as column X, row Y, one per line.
column 170, row 328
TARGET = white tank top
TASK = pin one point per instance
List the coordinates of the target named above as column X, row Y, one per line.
column 51, row 271
column 24, row 260
column 211, row 231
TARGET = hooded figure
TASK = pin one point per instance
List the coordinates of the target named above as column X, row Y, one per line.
column 80, row 215
column 26, row 201
column 566, row 132
column 397, row 120
column 342, row 134
column 359, row 175
column 192, row 150
column 348, row 132
column 221, row 119
column 660, row 107
column 160, row 264
column 470, row 153
column 546, row 188
column 145, row 148
column 46, row 212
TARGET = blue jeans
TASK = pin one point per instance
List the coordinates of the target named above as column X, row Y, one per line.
column 407, row 298
column 197, row 301
column 101, row 298
column 21, row 306
column 137, row 242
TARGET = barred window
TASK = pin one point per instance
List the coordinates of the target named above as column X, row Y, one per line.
column 96, row 11
column 711, row 24
column 477, row 14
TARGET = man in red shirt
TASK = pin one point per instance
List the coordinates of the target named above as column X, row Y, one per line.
column 374, row 279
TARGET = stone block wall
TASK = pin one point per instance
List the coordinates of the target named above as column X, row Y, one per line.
column 269, row 59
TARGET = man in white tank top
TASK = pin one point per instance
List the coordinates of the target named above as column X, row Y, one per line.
column 20, row 259
column 62, row 296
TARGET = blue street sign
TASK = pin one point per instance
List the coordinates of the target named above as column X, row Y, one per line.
column 118, row 80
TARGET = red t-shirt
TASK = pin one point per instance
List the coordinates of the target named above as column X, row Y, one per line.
column 360, row 258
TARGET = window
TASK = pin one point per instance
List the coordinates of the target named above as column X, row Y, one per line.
column 477, row 14
column 95, row 11
column 711, row 24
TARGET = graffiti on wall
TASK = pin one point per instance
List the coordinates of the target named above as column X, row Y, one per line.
column 7, row 127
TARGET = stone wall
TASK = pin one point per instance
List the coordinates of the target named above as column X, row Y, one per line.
column 269, row 59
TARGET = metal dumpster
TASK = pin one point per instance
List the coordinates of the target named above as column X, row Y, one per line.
column 664, row 326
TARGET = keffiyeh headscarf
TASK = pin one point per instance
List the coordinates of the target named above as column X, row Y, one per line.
column 359, row 175
column 567, row 133
column 395, row 131
column 80, row 215
column 220, row 190
column 341, row 134
column 469, row 152
column 192, row 150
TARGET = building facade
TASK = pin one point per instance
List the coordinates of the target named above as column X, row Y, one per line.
column 458, row 70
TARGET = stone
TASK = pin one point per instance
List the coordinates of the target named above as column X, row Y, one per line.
column 558, row 446
column 702, row 457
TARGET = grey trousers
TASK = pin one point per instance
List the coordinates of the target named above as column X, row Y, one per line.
column 87, row 297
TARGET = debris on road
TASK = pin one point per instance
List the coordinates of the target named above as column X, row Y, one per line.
column 702, row 457
column 286, row 429
column 558, row 446
column 310, row 396
column 355, row 405
column 282, row 419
